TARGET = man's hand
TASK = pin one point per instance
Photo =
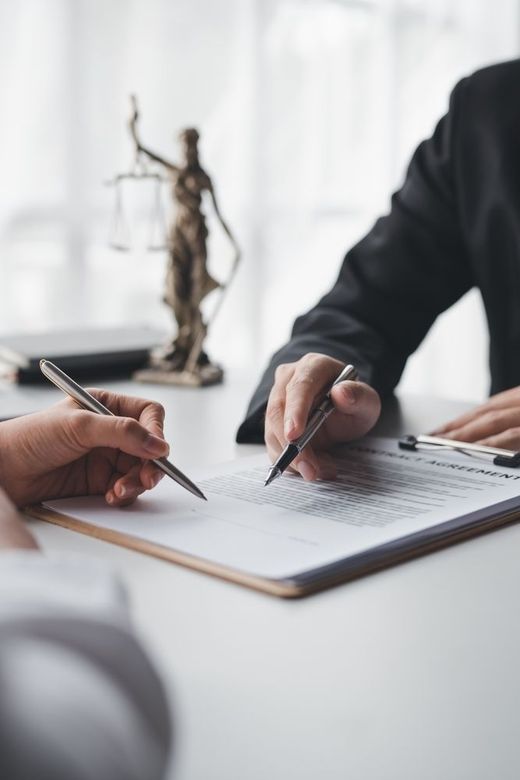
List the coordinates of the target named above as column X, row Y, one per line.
column 14, row 535
column 495, row 423
column 298, row 388
column 67, row 451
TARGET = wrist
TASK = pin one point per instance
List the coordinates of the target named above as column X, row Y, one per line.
column 14, row 535
column 13, row 532
column 4, row 457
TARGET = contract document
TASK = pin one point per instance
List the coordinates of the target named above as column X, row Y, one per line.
column 294, row 537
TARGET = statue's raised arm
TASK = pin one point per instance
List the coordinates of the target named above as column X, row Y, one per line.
column 139, row 148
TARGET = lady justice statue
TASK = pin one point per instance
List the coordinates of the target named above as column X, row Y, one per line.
column 188, row 282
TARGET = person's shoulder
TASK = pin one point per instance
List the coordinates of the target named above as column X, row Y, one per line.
column 494, row 81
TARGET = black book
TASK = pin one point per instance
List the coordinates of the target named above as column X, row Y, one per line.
column 83, row 353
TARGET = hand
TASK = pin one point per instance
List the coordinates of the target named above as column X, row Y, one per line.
column 13, row 533
column 495, row 423
column 67, row 451
column 300, row 386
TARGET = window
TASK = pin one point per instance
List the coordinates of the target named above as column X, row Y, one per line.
column 308, row 112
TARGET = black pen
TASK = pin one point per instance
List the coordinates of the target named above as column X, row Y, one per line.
column 87, row 401
column 316, row 420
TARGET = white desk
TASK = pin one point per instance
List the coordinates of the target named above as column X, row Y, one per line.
column 407, row 674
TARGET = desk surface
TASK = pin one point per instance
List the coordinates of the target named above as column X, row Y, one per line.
column 409, row 673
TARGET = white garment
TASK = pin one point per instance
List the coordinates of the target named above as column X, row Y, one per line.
column 79, row 699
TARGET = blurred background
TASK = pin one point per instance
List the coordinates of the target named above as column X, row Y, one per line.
column 308, row 112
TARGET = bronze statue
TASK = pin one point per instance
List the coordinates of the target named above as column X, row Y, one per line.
column 188, row 280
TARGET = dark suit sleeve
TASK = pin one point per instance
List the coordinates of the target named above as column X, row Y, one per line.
column 392, row 285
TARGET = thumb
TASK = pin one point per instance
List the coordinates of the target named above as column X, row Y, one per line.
column 121, row 433
column 359, row 402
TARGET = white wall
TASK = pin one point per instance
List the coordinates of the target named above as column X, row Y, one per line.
column 308, row 110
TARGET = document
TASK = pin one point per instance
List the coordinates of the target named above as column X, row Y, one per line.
column 383, row 499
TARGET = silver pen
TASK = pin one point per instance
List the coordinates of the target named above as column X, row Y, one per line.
column 316, row 420
column 87, row 401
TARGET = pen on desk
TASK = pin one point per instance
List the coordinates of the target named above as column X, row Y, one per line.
column 87, row 401
column 315, row 422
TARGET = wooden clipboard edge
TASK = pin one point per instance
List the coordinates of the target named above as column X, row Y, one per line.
column 284, row 588
column 273, row 587
column 386, row 561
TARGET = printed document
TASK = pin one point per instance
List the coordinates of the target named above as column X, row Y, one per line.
column 382, row 494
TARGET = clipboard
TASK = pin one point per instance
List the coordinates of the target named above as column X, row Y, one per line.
column 340, row 572
column 497, row 455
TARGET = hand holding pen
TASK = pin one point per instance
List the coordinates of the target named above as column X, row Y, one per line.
column 66, row 451
column 298, row 389
column 87, row 401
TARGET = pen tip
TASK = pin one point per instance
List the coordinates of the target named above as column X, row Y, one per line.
column 273, row 474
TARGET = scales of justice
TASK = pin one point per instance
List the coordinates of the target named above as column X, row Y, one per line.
column 182, row 361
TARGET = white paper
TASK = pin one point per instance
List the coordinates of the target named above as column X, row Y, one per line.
column 290, row 527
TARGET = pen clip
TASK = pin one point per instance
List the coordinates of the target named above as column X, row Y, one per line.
column 348, row 373
column 498, row 456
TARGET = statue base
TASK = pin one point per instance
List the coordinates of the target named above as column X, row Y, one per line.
column 201, row 376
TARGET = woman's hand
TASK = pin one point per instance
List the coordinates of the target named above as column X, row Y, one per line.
column 67, row 451
column 298, row 387
column 495, row 423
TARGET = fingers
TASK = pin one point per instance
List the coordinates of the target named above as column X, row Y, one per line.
column 507, row 440
column 487, row 425
column 124, row 405
column 126, row 486
column 150, row 475
column 90, row 430
column 310, row 465
column 311, row 377
column 148, row 413
column 458, row 422
column 509, row 399
column 69, row 451
column 137, row 431
column 358, row 407
column 124, row 489
column 297, row 389
column 152, row 417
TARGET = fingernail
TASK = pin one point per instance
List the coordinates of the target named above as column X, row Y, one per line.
column 288, row 428
column 157, row 478
column 307, row 471
column 122, row 491
column 110, row 497
column 349, row 395
column 154, row 445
